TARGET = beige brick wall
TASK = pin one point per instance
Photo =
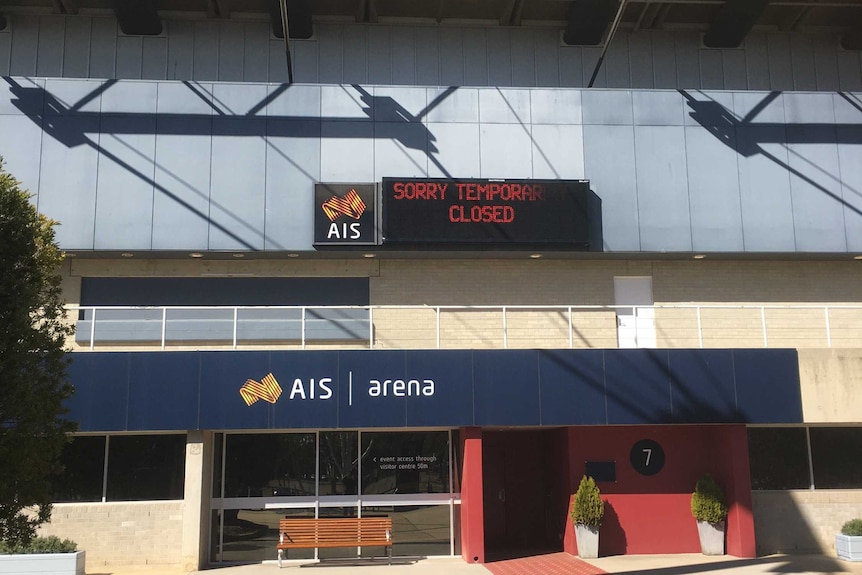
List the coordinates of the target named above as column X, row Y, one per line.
column 830, row 380
column 802, row 521
column 129, row 533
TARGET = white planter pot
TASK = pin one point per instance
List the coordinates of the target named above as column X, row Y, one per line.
column 849, row 547
column 711, row 537
column 44, row 563
column 588, row 541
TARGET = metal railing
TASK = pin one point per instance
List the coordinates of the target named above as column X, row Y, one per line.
column 482, row 326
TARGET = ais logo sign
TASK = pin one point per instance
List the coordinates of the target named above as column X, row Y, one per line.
column 344, row 214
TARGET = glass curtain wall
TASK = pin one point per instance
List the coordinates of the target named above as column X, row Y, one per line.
column 260, row 478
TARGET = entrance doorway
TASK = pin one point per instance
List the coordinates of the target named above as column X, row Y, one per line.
column 525, row 494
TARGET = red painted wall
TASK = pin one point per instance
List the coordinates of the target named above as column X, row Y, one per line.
column 472, row 516
column 652, row 514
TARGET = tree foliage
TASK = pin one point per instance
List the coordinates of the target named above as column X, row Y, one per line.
column 588, row 508
column 33, row 380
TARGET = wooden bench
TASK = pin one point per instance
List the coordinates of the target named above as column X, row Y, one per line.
column 335, row 532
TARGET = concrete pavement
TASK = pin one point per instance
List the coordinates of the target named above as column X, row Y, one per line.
column 682, row 564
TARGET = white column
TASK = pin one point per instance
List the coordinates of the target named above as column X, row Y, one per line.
column 196, row 507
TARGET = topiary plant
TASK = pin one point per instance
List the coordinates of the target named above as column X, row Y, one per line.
column 852, row 528
column 588, row 508
column 708, row 502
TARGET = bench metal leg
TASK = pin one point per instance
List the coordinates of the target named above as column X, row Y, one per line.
column 389, row 554
column 279, row 558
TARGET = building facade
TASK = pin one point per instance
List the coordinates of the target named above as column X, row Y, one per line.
column 420, row 267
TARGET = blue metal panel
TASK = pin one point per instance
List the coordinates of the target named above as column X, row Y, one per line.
column 764, row 186
column 555, row 106
column 702, row 385
column 255, row 54
column 617, row 63
column 641, row 57
column 735, row 77
column 658, row 108
column 453, row 150
column 499, row 57
column 475, row 57
column 818, row 205
column 711, row 69
column 101, row 399
column 780, row 63
column 50, row 56
column 292, row 163
column 572, row 388
column 637, row 384
column 22, row 61
column 426, row 61
column 452, row 402
column 231, row 42
column 397, row 104
column 759, row 107
column 590, row 57
column 131, row 98
column 849, row 78
column 609, row 161
column 221, row 377
column 331, row 39
column 293, row 101
column 309, row 383
column 664, row 60
column 305, row 68
column 452, row 57
column 687, row 45
column 22, row 96
column 68, row 170
column 558, row 152
column 506, row 388
column 182, row 183
column 713, row 183
column 205, row 63
column 345, row 153
column 130, row 51
column 757, row 61
column 124, row 195
column 76, row 52
column 809, row 109
column 20, row 145
column 62, row 95
column 400, row 149
column 663, row 196
column 164, row 391
column 802, row 55
column 825, row 63
column 180, row 99
column 278, row 61
column 405, row 63
column 767, row 386
column 346, row 102
column 154, row 59
column 851, row 183
column 380, row 53
column 355, row 55
column 505, row 151
column 847, row 111
column 504, row 106
column 367, row 395
column 242, row 100
column 571, row 65
column 5, row 52
column 547, row 60
column 181, row 50
column 453, row 105
column 523, row 57
column 606, row 107
column 103, row 48
column 237, row 196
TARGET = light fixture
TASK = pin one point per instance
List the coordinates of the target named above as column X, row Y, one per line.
column 698, row 256
column 196, row 255
column 368, row 255
column 293, row 255
column 535, row 256
column 239, row 255
column 127, row 255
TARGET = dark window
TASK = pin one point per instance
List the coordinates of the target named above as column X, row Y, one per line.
column 405, row 462
column 269, row 465
column 250, row 535
column 338, row 463
column 835, row 452
column 416, row 530
column 146, row 467
column 83, row 463
column 779, row 458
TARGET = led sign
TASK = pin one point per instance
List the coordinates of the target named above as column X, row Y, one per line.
column 486, row 212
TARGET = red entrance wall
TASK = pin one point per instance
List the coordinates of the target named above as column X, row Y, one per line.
column 652, row 514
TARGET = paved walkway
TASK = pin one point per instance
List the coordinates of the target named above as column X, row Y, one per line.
column 552, row 564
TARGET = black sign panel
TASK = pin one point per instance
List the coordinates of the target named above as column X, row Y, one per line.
column 486, row 212
column 344, row 214
column 647, row 457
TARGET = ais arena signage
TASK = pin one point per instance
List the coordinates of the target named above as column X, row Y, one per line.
column 486, row 212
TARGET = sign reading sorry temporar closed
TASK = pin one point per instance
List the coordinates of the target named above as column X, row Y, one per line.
column 486, row 212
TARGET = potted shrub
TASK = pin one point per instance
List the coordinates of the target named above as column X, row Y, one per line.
column 709, row 507
column 42, row 555
column 848, row 543
column 588, row 510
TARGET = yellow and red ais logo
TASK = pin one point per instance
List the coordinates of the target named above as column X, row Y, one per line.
column 266, row 389
column 344, row 214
